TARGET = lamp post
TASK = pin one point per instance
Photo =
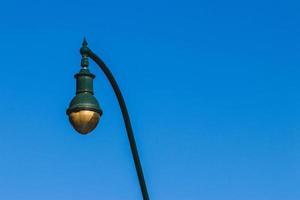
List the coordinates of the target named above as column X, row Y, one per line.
column 84, row 111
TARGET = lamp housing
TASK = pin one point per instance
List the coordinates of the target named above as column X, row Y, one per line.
column 84, row 110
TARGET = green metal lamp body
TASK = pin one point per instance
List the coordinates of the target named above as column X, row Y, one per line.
column 84, row 110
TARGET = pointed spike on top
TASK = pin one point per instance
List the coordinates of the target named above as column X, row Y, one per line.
column 84, row 48
column 84, row 43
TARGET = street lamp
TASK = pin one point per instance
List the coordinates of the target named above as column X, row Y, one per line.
column 84, row 110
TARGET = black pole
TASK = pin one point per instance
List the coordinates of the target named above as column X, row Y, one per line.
column 126, row 118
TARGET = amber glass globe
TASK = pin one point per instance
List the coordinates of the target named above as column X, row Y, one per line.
column 84, row 121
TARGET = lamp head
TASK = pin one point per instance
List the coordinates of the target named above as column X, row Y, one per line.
column 84, row 111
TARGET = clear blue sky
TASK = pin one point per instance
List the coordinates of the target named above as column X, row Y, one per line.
column 212, row 87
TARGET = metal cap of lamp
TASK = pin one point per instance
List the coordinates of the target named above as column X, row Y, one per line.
column 84, row 111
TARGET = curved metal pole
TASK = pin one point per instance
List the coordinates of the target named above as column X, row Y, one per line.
column 126, row 118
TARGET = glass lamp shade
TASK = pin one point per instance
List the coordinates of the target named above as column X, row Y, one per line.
column 84, row 121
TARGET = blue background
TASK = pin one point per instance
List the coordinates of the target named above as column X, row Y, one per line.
column 212, row 88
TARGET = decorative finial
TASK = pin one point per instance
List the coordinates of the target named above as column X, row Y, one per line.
column 84, row 49
column 84, row 53
column 84, row 43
